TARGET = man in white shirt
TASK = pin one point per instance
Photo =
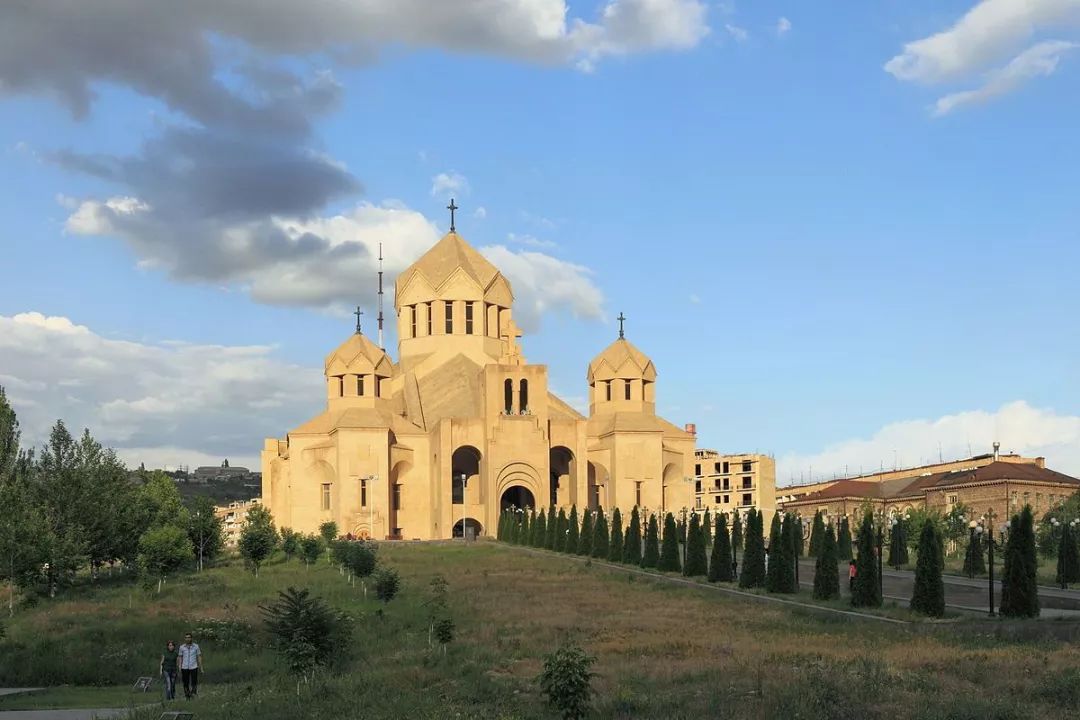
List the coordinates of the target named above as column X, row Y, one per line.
column 190, row 663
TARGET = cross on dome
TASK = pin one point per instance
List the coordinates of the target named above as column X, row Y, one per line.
column 621, row 319
column 359, row 313
column 452, row 207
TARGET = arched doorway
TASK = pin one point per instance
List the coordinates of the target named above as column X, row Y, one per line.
column 399, row 486
column 561, row 462
column 471, row 524
column 669, row 501
column 597, row 486
column 464, row 472
column 517, row 496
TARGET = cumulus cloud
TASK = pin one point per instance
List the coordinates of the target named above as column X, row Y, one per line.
column 531, row 241
column 994, row 38
column 1040, row 60
column 1019, row 427
column 447, row 184
column 159, row 403
column 783, row 26
column 737, row 33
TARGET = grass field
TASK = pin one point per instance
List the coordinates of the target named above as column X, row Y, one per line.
column 663, row 651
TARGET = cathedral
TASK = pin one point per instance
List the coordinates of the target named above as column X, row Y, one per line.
column 436, row 444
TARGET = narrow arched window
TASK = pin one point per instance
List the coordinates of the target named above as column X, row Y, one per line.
column 523, row 400
column 508, row 396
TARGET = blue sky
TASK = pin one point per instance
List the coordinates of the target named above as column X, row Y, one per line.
column 838, row 235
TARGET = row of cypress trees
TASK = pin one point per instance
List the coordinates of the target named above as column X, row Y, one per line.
column 842, row 541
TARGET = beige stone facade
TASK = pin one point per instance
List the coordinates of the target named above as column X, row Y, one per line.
column 463, row 425
column 735, row 483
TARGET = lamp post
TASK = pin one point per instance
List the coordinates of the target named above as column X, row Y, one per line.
column 372, row 479
column 893, row 538
column 464, row 483
column 880, row 560
column 989, row 518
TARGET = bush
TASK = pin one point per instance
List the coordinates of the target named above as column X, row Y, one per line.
column 306, row 631
column 566, row 680
column 387, row 584
column 310, row 548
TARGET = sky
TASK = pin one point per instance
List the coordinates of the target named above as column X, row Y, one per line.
column 846, row 238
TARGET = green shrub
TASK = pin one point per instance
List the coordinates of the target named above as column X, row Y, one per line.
column 387, row 584
column 566, row 681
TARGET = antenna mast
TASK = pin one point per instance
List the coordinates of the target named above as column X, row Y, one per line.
column 381, row 345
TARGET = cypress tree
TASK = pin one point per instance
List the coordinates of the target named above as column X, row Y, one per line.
column 540, row 530
column 753, row 564
column 790, row 556
column 894, row 545
column 615, row 548
column 696, row 561
column 1068, row 561
column 680, row 526
column 669, row 546
column 826, row 575
column 928, row 596
column 904, row 557
column 816, row 531
column 736, row 536
column 511, row 527
column 707, row 528
column 601, row 539
column 774, row 567
column 572, row 532
column 720, row 561
column 549, row 536
column 632, row 542
column 651, row 558
column 1020, row 591
column 500, row 534
column 843, row 541
column 561, row 526
column 867, row 592
column 584, row 546
column 800, row 537
column 973, row 556
column 523, row 535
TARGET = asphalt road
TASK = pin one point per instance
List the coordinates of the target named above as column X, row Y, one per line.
column 960, row 592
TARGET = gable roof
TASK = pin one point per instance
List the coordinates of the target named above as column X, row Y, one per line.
column 619, row 355
column 445, row 257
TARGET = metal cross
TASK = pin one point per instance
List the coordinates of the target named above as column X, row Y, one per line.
column 452, row 207
column 358, row 315
column 621, row 319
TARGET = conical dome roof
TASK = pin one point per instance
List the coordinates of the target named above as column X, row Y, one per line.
column 357, row 355
column 446, row 256
column 621, row 359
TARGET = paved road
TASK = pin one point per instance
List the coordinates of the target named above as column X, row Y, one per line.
column 62, row 714
column 960, row 592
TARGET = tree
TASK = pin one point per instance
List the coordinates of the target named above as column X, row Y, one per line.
column 601, row 539
column 843, row 540
column 305, row 631
column 205, row 530
column 539, row 530
column 290, row 542
column 163, row 550
column 696, row 561
column 1068, row 560
column 651, row 556
column 800, row 537
column 866, row 591
column 789, row 555
column 585, row 539
column 566, row 680
column 974, row 564
column 311, row 546
column 817, row 531
column 359, row 557
column 1053, row 520
column 9, row 438
column 753, row 564
column 669, row 548
column 258, row 538
column 21, row 526
column 328, row 531
column 707, row 528
column 775, row 566
column 561, row 532
column 549, row 535
column 928, row 596
column 572, row 532
column 736, row 537
column 826, row 577
column 387, row 584
column 720, row 560
column 1019, row 589
column 615, row 547
column 59, row 490
column 632, row 541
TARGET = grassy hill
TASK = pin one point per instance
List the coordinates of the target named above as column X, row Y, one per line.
column 663, row 651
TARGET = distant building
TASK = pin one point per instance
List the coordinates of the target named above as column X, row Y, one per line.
column 234, row 519
column 217, row 473
column 735, row 483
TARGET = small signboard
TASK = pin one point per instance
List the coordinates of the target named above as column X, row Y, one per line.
column 143, row 684
column 176, row 715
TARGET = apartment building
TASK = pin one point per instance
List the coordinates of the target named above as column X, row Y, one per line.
column 735, row 483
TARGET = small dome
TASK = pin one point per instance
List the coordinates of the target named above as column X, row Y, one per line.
column 445, row 257
column 621, row 359
column 358, row 355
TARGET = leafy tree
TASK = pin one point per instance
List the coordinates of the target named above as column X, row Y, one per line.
column 955, row 524
column 1068, row 560
column 696, row 561
column 205, row 530
column 585, row 539
column 720, row 560
column 826, row 576
column 59, row 490
column 651, row 557
column 573, row 528
column 843, row 540
column 669, row 548
column 22, row 531
column 866, row 591
column 163, row 550
column 566, row 681
column 817, row 531
column 258, row 538
column 311, row 546
column 9, row 438
column 539, row 530
column 753, row 565
column 561, row 532
column 1019, row 590
column 549, row 537
column 774, row 567
column 290, row 542
column 305, row 631
column 601, row 539
column 387, row 584
column 928, row 596
column 632, row 541
column 359, row 557
column 328, row 531
column 615, row 547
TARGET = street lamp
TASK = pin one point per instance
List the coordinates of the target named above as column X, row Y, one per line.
column 464, row 483
column 372, row 479
column 880, row 517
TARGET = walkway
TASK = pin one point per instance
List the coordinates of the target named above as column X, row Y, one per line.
column 92, row 714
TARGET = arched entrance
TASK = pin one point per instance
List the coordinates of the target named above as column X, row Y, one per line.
column 669, row 500
column 471, row 525
column 597, row 486
column 517, row 496
column 561, row 462
column 464, row 472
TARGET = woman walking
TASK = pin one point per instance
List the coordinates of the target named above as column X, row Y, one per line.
column 169, row 659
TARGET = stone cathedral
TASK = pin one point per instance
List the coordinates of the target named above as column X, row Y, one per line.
column 462, row 425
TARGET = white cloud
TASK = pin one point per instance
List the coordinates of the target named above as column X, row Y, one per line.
column 530, row 241
column 1039, row 60
column 630, row 26
column 783, row 26
column 159, row 403
column 736, row 32
column 447, row 184
column 1019, row 427
column 480, row 213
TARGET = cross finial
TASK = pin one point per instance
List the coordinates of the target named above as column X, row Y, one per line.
column 621, row 319
column 452, row 207
column 359, row 313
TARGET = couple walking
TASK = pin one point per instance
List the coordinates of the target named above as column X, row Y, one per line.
column 188, row 658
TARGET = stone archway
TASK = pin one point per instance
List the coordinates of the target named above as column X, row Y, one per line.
column 465, row 472
column 473, row 526
column 597, row 486
column 670, row 489
column 561, row 464
column 517, row 496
